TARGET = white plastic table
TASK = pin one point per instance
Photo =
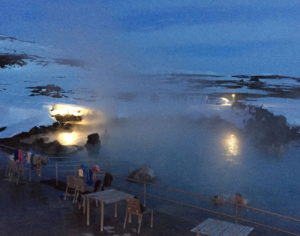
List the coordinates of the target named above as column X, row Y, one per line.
column 107, row 197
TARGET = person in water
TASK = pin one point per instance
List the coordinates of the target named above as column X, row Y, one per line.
column 217, row 200
column 239, row 200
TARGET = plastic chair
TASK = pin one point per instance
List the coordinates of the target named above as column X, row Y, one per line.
column 80, row 188
column 71, row 184
column 17, row 171
column 13, row 171
column 108, row 178
column 134, row 207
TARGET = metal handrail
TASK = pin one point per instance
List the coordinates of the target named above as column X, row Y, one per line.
column 207, row 197
column 235, row 217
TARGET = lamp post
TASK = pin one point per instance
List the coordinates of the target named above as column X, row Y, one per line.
column 233, row 97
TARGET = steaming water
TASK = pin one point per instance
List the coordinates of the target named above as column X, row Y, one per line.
column 207, row 158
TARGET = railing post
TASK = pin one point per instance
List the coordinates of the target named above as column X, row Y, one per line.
column 145, row 193
column 56, row 173
column 236, row 213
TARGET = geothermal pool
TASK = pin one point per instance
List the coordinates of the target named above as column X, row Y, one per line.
column 209, row 159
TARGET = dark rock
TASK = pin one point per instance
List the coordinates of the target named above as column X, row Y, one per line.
column 93, row 144
column 93, row 139
column 67, row 126
column 144, row 174
column 67, row 118
column 50, row 90
column 36, row 139
column 55, row 148
column 256, row 85
column 269, row 129
column 7, row 60
column 254, row 79
column 2, row 129
column 55, row 125
column 34, row 130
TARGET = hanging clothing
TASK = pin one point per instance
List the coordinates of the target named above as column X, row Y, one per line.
column 34, row 160
column 11, row 157
column 28, row 157
column 20, row 155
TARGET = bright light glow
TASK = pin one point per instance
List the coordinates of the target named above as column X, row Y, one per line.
column 232, row 145
column 68, row 138
column 233, row 97
column 67, row 109
column 225, row 102
column 88, row 116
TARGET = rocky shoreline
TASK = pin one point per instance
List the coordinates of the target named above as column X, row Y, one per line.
column 264, row 128
column 36, row 139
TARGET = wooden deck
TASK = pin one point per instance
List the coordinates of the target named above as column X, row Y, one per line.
column 213, row 227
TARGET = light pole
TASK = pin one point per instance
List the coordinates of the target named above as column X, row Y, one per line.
column 233, row 97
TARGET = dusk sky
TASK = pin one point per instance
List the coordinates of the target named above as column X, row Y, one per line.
column 223, row 37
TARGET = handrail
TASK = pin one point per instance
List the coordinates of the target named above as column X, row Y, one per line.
column 71, row 165
column 224, row 214
column 7, row 147
column 235, row 217
column 207, row 197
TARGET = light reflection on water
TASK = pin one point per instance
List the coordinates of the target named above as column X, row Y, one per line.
column 232, row 145
column 68, row 138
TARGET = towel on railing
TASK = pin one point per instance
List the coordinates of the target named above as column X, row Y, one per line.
column 18, row 155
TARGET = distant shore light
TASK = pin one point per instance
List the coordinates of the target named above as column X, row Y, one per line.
column 233, row 97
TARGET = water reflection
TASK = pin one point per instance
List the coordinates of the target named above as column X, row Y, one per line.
column 232, row 145
column 66, row 138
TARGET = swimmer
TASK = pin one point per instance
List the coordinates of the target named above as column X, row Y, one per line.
column 239, row 200
column 217, row 200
